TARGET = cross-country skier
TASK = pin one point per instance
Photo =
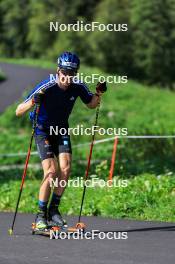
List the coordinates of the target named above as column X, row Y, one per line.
column 56, row 104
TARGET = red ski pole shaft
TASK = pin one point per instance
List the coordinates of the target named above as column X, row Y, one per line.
column 25, row 170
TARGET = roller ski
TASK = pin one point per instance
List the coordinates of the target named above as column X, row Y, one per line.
column 56, row 222
column 53, row 222
column 46, row 231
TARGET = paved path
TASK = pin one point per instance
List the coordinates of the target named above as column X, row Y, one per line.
column 147, row 243
column 19, row 78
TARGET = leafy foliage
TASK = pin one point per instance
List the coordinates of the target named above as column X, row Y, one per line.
column 144, row 52
column 153, row 30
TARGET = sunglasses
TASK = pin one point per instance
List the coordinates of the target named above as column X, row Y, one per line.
column 68, row 72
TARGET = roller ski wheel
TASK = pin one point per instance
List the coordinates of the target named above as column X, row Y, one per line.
column 78, row 227
column 81, row 226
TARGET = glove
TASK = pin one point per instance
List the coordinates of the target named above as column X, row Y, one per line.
column 101, row 87
column 37, row 98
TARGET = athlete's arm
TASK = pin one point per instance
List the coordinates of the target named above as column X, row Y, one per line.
column 100, row 89
column 94, row 101
column 89, row 99
column 24, row 107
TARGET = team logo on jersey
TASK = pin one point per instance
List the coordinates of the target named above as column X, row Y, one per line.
column 65, row 142
column 46, row 142
column 72, row 98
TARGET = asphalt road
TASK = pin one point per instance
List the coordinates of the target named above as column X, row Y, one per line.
column 19, row 78
column 147, row 243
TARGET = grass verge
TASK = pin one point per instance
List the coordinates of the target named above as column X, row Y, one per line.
column 146, row 197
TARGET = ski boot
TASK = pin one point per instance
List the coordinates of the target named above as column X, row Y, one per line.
column 40, row 224
column 55, row 218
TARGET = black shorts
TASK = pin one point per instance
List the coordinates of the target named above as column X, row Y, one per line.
column 48, row 146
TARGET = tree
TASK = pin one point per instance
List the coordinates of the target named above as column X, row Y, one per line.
column 50, row 44
column 112, row 50
column 153, row 25
column 14, row 25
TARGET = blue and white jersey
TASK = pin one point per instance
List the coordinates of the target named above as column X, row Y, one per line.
column 57, row 104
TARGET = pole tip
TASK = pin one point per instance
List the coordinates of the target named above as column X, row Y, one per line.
column 10, row 231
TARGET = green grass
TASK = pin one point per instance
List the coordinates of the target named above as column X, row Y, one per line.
column 146, row 197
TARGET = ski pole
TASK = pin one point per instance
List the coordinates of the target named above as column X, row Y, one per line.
column 25, row 168
column 88, row 166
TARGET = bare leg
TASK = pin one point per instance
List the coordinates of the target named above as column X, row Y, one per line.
column 50, row 171
column 65, row 166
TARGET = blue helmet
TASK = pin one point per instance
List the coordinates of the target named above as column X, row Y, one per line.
column 68, row 60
